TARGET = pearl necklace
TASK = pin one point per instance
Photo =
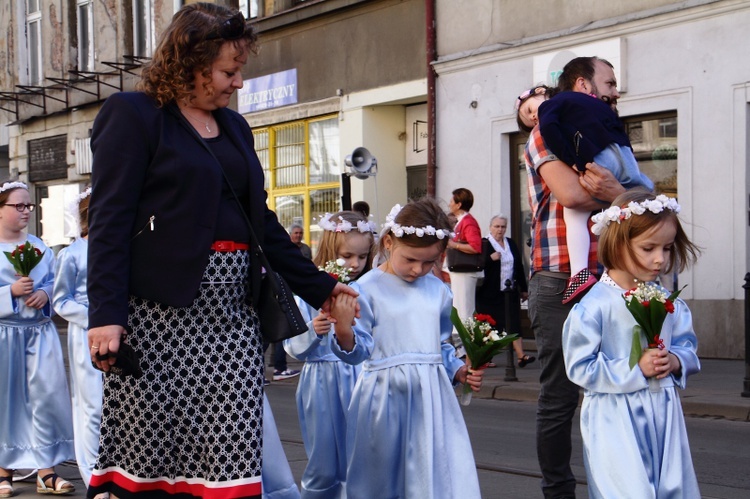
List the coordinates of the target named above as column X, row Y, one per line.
column 205, row 123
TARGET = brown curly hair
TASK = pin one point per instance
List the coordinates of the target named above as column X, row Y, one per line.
column 183, row 48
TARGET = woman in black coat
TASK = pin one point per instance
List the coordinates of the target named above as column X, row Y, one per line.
column 169, row 262
column 503, row 268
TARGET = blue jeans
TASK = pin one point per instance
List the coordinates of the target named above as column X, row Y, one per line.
column 558, row 396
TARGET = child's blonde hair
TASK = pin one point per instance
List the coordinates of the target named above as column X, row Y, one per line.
column 616, row 237
column 419, row 214
column 330, row 242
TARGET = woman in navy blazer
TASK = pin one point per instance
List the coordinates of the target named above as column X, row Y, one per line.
column 168, row 263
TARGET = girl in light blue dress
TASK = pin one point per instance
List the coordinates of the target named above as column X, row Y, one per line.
column 633, row 429
column 276, row 475
column 70, row 301
column 326, row 383
column 36, row 429
column 406, row 436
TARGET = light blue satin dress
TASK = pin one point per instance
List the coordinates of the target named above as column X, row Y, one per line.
column 635, row 442
column 36, row 429
column 406, row 436
column 71, row 302
column 324, row 391
column 276, row 476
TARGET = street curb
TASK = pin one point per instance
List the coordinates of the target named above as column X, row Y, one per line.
column 705, row 409
column 519, row 391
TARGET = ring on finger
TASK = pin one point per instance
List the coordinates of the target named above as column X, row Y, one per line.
column 95, row 347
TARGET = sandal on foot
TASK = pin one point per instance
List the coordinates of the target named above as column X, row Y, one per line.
column 526, row 359
column 6, row 486
column 577, row 285
column 58, row 487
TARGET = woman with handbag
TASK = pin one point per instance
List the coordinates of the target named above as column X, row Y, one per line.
column 504, row 284
column 464, row 258
column 177, row 202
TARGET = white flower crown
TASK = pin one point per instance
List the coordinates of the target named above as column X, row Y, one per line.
column 72, row 205
column 362, row 226
column 616, row 214
column 13, row 185
column 399, row 230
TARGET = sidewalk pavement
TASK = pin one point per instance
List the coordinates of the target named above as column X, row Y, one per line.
column 714, row 392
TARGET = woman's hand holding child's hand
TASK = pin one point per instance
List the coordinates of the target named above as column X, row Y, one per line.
column 321, row 324
column 343, row 310
column 339, row 290
column 472, row 377
column 659, row 363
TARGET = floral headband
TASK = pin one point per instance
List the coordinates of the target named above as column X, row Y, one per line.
column 13, row 185
column 72, row 206
column 399, row 230
column 616, row 214
column 537, row 90
column 362, row 226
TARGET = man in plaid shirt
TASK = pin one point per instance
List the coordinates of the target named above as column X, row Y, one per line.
column 552, row 186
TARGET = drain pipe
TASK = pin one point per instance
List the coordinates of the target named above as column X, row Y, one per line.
column 431, row 44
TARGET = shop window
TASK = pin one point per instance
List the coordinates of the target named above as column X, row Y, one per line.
column 656, row 149
column 302, row 171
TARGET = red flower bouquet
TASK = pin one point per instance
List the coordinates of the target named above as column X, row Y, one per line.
column 649, row 305
column 24, row 258
column 481, row 341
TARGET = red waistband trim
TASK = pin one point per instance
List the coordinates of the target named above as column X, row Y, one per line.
column 228, row 246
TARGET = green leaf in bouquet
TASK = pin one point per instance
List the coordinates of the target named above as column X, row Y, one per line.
column 479, row 351
column 11, row 260
column 639, row 312
column 460, row 327
column 636, row 349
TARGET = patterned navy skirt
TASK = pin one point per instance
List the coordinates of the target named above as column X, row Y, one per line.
column 192, row 425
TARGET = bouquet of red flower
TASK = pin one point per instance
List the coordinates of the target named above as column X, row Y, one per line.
column 24, row 258
column 481, row 341
column 649, row 305
column 337, row 270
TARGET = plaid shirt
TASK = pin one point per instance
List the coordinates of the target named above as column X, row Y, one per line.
column 549, row 250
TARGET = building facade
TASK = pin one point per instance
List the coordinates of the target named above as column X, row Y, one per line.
column 332, row 76
column 684, row 82
column 352, row 73
column 347, row 74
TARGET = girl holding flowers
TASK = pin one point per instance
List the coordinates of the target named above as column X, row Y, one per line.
column 633, row 429
column 406, row 436
column 36, row 430
column 71, row 302
column 326, row 384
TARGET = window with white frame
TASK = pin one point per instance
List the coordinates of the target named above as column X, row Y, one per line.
column 34, row 41
column 143, row 28
column 85, row 20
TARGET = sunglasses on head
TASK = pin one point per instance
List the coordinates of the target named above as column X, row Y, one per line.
column 230, row 29
column 538, row 90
